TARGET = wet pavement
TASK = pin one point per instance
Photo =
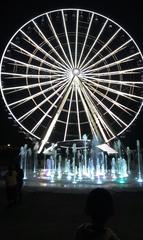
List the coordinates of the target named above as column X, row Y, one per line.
column 54, row 210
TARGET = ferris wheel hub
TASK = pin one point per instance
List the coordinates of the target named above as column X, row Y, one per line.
column 76, row 71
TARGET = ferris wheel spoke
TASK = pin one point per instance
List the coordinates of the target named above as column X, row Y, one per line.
column 49, row 44
column 31, row 66
column 47, row 112
column 33, row 43
column 57, row 38
column 89, row 116
column 52, row 105
column 123, row 94
column 23, row 87
column 110, row 100
column 102, row 48
column 76, row 38
column 113, row 115
column 101, row 123
column 31, row 55
column 67, row 38
column 125, row 71
column 95, row 41
column 68, row 115
column 115, row 82
column 24, row 100
column 107, row 129
column 95, row 115
column 108, row 55
column 27, row 114
column 18, row 75
column 77, row 110
column 97, row 118
column 85, row 40
column 123, row 60
column 56, row 116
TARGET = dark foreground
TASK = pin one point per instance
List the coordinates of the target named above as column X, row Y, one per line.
column 55, row 215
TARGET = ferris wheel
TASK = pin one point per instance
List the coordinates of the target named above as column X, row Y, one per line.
column 69, row 72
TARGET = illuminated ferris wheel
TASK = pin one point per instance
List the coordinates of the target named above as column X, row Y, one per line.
column 71, row 71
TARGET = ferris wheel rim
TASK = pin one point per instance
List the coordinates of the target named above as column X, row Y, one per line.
column 64, row 9
column 53, row 11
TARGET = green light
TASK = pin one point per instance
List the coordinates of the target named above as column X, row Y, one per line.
column 122, row 180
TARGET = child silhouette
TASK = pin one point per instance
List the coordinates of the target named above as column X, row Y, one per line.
column 99, row 207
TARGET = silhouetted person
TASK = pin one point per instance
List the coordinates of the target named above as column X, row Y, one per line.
column 11, row 185
column 20, row 176
column 99, row 207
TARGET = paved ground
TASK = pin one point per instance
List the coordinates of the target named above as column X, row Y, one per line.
column 55, row 213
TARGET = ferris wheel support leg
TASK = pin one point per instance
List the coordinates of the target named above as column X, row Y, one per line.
column 50, row 129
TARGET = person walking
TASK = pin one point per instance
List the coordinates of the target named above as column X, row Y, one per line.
column 20, row 176
column 11, row 185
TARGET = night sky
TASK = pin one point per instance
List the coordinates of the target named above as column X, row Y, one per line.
column 13, row 14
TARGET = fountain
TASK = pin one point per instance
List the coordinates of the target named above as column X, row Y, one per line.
column 113, row 168
column 74, row 153
column 59, row 169
column 84, row 163
column 80, row 174
column 129, row 159
column 139, row 179
column 85, row 152
column 35, row 150
column 25, row 161
column 22, row 155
